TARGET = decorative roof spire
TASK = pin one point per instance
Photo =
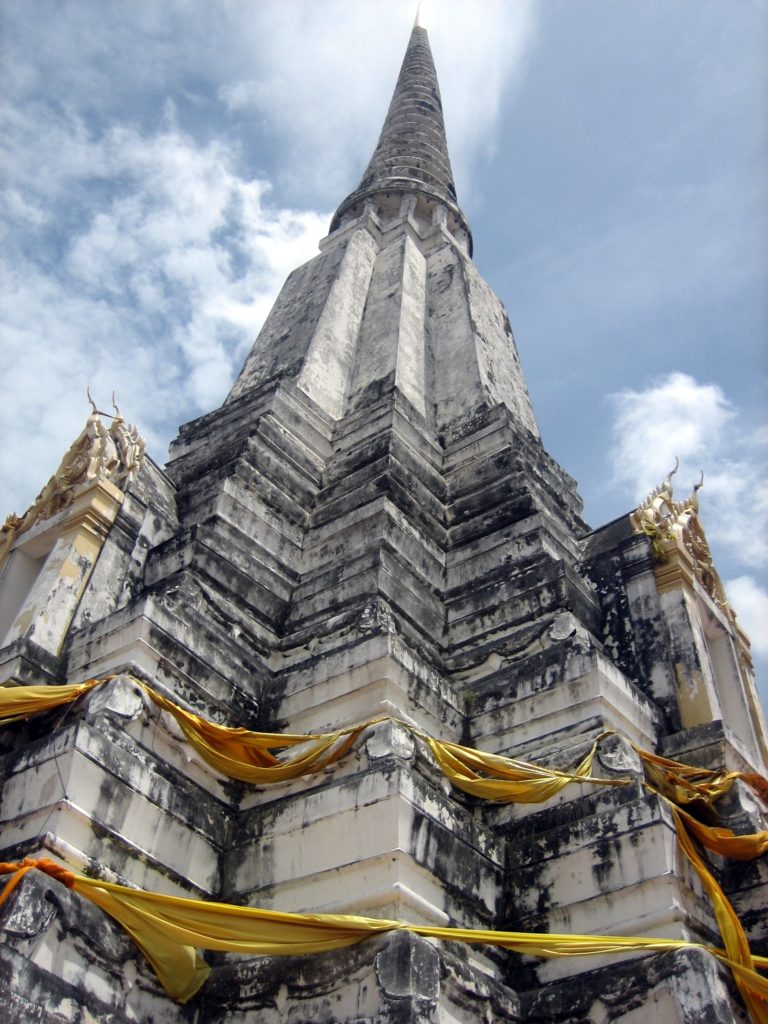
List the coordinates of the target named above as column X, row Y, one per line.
column 412, row 152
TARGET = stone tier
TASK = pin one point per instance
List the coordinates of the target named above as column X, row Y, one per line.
column 114, row 789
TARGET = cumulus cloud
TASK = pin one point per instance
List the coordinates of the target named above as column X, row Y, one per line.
column 152, row 280
column 678, row 417
column 751, row 603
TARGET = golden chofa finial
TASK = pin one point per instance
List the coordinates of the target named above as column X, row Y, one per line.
column 666, row 487
column 95, row 410
column 693, row 501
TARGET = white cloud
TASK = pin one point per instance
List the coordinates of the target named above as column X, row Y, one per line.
column 674, row 418
column 161, row 279
column 678, row 417
column 243, row 94
column 750, row 601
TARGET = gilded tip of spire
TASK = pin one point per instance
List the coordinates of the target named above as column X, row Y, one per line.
column 419, row 20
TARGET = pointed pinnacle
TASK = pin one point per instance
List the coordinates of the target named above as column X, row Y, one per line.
column 411, row 156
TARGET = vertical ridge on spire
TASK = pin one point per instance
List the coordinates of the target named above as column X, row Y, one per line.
column 412, row 152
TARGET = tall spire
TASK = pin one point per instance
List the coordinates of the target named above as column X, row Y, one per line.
column 412, row 152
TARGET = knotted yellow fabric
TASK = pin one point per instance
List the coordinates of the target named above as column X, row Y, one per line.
column 247, row 756
column 511, row 781
column 169, row 929
column 21, row 868
column 684, row 784
column 724, row 841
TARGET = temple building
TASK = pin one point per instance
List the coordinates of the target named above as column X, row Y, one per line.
column 530, row 750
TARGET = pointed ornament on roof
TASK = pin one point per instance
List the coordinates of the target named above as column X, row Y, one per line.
column 99, row 452
column 674, row 526
column 411, row 156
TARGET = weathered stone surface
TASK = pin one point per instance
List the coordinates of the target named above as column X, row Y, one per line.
column 369, row 525
column 71, row 963
column 678, row 988
column 412, row 152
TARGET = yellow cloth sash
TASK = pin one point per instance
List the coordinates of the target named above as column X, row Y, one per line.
column 736, row 942
column 512, row 781
column 19, row 702
column 685, row 784
column 248, row 756
column 169, row 929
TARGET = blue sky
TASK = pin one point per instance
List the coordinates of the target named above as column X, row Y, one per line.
column 166, row 164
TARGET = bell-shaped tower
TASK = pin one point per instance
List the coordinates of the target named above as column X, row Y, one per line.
column 369, row 527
